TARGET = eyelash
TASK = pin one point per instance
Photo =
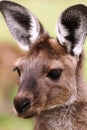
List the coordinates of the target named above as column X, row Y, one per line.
column 18, row 71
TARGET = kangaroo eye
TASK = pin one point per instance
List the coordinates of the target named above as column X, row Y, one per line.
column 54, row 74
column 18, row 71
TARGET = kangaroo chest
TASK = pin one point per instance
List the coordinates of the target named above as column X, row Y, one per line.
column 64, row 119
column 59, row 121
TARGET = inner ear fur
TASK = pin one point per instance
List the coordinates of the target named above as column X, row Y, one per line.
column 23, row 25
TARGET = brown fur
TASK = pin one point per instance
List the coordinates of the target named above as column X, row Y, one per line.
column 52, row 88
column 59, row 104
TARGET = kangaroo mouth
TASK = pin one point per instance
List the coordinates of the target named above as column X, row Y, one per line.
column 25, row 114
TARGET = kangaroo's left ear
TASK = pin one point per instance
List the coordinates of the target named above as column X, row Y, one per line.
column 23, row 25
column 72, row 29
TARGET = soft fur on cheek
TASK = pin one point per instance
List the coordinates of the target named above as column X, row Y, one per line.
column 57, row 97
column 62, row 95
column 70, row 84
column 44, row 92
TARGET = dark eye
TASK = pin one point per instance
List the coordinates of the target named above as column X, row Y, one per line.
column 54, row 74
column 18, row 71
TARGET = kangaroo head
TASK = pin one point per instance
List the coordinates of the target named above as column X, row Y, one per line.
column 47, row 71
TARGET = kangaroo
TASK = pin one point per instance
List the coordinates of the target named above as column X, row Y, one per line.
column 52, row 87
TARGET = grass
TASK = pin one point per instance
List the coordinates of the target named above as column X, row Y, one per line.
column 48, row 12
column 13, row 123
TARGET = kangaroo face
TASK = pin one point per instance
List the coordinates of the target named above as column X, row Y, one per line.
column 48, row 71
column 44, row 83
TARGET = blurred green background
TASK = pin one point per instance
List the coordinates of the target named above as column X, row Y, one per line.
column 47, row 12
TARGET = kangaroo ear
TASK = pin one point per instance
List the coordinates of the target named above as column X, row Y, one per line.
column 23, row 25
column 71, row 31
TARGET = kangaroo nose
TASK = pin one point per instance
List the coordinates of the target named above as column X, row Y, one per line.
column 22, row 104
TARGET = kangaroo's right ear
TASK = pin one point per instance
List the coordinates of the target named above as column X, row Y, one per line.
column 23, row 25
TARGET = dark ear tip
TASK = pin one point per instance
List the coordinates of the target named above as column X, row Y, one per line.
column 2, row 4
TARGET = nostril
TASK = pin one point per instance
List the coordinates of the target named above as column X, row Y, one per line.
column 25, row 105
column 21, row 104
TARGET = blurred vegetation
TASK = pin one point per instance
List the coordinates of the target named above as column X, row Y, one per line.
column 48, row 12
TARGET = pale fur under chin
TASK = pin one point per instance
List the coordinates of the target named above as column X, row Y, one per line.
column 63, row 122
